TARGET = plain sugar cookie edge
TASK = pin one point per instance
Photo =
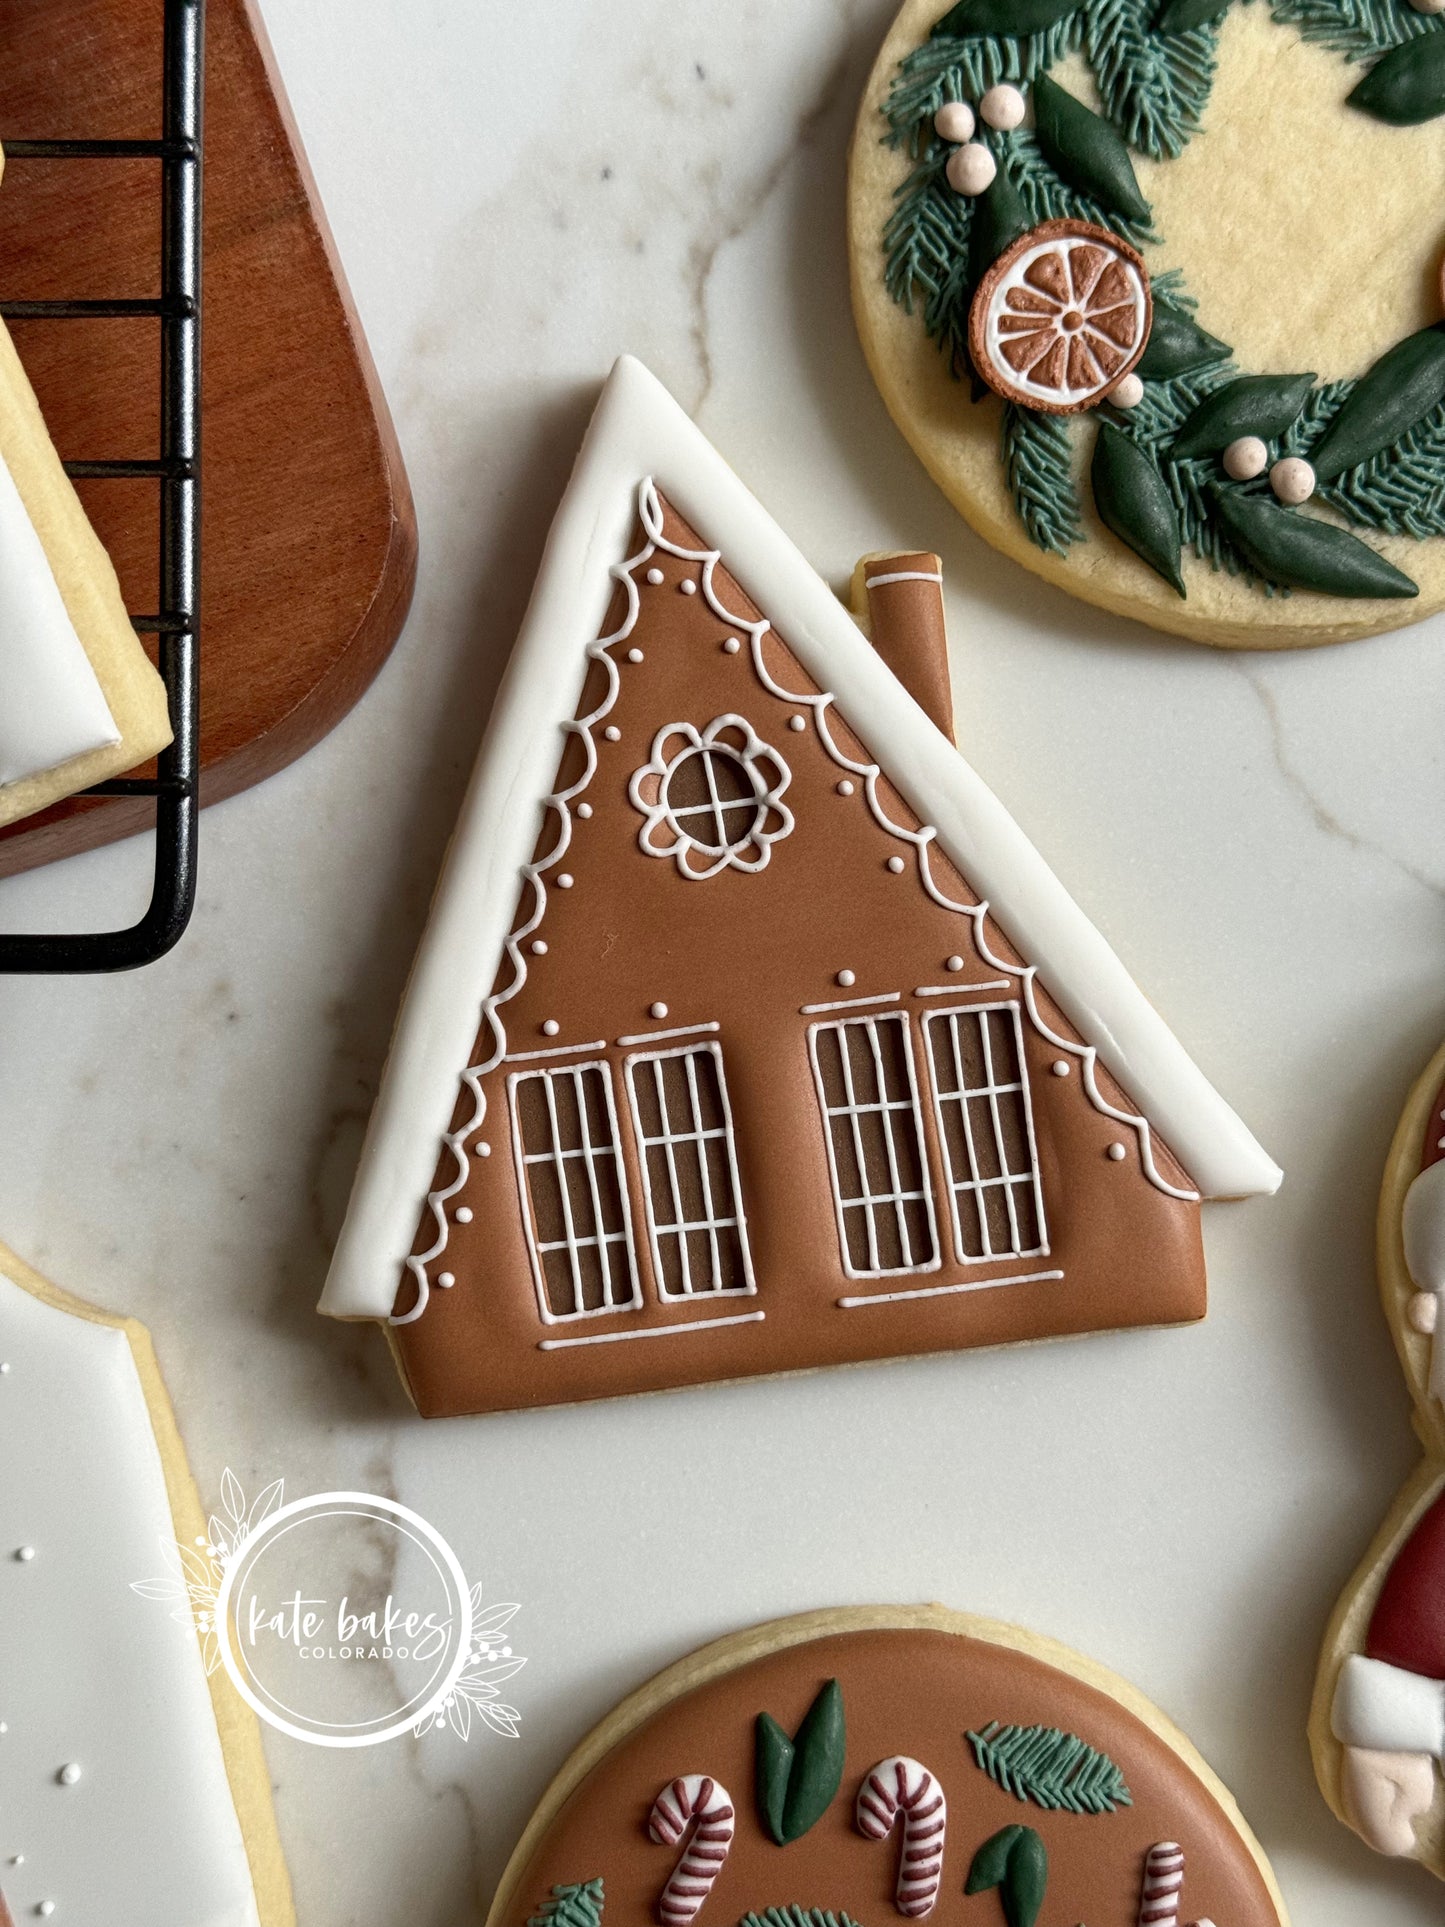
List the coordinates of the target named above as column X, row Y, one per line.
column 736, row 1650
column 1226, row 612
column 247, row 1774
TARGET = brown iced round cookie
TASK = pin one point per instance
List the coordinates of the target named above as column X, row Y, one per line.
column 1327, row 263
column 876, row 1764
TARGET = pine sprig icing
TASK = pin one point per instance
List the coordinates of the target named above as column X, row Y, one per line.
column 1399, row 492
column 1154, row 87
column 1358, row 29
column 1057, row 1771
column 926, row 253
column 948, row 69
column 1039, row 469
column 797, row 1917
column 575, row 1906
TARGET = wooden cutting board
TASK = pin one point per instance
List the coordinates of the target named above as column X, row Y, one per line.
column 309, row 535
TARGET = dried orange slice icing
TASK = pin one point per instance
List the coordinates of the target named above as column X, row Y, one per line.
column 1061, row 317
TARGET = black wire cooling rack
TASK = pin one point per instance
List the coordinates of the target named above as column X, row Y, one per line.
column 178, row 473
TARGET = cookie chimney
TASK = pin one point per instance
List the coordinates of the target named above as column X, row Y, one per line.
column 898, row 600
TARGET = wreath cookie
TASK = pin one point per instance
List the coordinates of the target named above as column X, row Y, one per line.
column 1153, row 288
column 862, row 1766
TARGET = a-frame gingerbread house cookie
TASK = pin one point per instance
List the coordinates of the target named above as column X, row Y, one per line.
column 749, row 1033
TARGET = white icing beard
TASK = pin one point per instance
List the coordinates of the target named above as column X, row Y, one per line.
column 1423, row 1224
column 51, row 705
column 114, row 1801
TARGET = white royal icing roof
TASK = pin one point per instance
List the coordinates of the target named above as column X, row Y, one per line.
column 639, row 431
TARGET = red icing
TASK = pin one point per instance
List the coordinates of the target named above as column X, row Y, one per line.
column 1408, row 1627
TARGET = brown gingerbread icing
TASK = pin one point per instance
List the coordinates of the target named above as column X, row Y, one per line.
column 916, row 1693
column 741, row 961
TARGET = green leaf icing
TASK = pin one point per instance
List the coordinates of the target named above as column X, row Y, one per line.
column 798, row 1777
column 1056, row 1770
column 990, row 1863
column 1302, row 553
column 1178, row 16
column 1400, row 390
column 1176, row 344
column 1262, row 405
column 1038, row 467
column 1016, row 18
column 1016, row 1863
column 1401, row 491
column 1407, row 86
column 578, row 1906
column 1087, row 150
column 1133, row 500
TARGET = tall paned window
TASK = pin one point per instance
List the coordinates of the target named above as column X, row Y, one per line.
column 863, row 1067
column 985, row 1121
column 695, row 1219
column 579, row 1226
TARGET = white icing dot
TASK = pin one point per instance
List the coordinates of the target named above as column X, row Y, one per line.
column 1293, row 480
column 1245, row 457
column 482, row 1148
column 798, row 723
column 954, row 963
column 731, row 646
column 551, row 1027
column 612, row 733
column 584, row 810
column 566, row 880
column 1061, row 1069
column 634, row 655
column 5, row 1729
column 954, row 121
column 845, row 788
column 446, row 1280
column 847, row 979
column 688, row 586
column 25, row 1554
column 4, row 1365
column 69, row 1773
column 1118, row 1153
column 656, row 578
column 1128, row 392
column 464, row 1214
column 658, row 1010
column 895, row 864
column 539, row 948
column 45, row 1909
column 1002, row 107
column 971, row 169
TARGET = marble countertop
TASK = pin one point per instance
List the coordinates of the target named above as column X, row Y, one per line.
column 518, row 194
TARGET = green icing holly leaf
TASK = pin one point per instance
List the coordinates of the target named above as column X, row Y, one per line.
column 1133, row 500
column 576, row 1906
column 1177, row 344
column 798, row 1777
column 1262, row 405
column 999, row 218
column 1016, row 18
column 1016, row 1863
column 1178, row 16
column 1086, row 149
column 1384, row 404
column 1299, row 552
column 1408, row 85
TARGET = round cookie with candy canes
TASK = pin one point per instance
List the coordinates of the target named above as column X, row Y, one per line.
column 853, row 1767
column 1378, row 1725
column 1229, row 428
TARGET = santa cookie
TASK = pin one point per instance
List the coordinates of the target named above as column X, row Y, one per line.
column 133, row 1790
column 79, row 698
column 749, row 1033
column 1378, row 1727
column 1233, row 429
column 880, row 1764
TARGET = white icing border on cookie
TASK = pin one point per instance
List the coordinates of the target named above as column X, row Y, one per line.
column 639, row 430
column 52, row 708
column 95, row 1676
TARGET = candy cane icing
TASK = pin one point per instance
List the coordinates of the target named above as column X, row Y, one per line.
column 706, row 1806
column 1163, row 1883
column 902, row 1786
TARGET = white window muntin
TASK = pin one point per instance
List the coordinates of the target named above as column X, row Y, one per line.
column 558, row 1159
column 897, row 1197
column 701, row 1137
column 972, row 1180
